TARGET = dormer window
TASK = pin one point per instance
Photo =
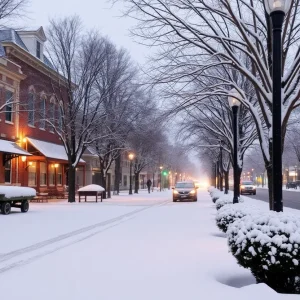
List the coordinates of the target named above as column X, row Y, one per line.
column 38, row 49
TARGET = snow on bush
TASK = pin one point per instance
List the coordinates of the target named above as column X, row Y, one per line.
column 269, row 245
column 225, row 199
column 216, row 194
column 229, row 213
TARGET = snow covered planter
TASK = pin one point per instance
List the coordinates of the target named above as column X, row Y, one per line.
column 269, row 245
column 229, row 213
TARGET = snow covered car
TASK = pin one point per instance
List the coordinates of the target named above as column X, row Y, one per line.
column 247, row 187
column 14, row 196
column 184, row 191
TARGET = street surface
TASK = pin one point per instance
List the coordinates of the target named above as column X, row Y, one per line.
column 139, row 247
column 290, row 199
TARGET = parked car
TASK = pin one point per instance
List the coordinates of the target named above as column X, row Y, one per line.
column 248, row 187
column 291, row 185
column 185, row 191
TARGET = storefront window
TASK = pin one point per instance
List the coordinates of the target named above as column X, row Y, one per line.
column 32, row 174
column 51, row 174
column 43, row 173
column 59, row 174
column 8, row 171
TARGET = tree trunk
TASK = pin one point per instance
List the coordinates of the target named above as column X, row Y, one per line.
column 103, row 183
column 221, row 181
column 108, row 185
column 226, row 175
column 71, row 183
column 117, row 174
column 136, row 182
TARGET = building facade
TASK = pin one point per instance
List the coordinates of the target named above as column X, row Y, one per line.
column 27, row 95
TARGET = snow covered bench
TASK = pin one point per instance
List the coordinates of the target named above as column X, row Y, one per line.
column 14, row 196
column 91, row 190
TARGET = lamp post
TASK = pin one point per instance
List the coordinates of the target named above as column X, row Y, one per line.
column 131, row 157
column 161, row 167
column 277, row 10
column 234, row 103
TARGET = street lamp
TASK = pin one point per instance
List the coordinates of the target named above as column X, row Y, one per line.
column 277, row 10
column 131, row 157
column 161, row 167
column 234, row 103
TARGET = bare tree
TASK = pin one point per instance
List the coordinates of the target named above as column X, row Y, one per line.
column 210, row 33
column 79, row 59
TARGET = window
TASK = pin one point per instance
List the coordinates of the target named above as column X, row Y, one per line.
column 32, row 174
column 38, row 49
column 43, row 173
column 43, row 113
column 8, row 106
column 7, row 174
column 59, row 117
column 51, row 115
column 51, row 174
column 31, row 109
column 59, row 175
column 125, row 180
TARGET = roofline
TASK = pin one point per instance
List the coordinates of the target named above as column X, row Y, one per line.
column 9, row 73
column 33, row 61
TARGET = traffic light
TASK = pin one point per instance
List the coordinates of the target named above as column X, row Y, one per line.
column 165, row 173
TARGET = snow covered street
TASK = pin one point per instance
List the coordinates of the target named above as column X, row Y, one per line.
column 140, row 247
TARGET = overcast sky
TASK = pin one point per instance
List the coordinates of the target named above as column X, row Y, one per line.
column 98, row 14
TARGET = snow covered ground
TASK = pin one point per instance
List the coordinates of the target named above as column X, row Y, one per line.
column 143, row 247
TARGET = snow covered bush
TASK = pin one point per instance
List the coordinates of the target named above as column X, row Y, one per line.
column 216, row 194
column 211, row 189
column 269, row 245
column 223, row 200
column 227, row 214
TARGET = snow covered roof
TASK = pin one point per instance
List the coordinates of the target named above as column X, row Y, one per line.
column 50, row 150
column 11, row 147
column 92, row 188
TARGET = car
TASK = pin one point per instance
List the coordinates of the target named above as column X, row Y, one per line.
column 185, row 190
column 291, row 185
column 247, row 187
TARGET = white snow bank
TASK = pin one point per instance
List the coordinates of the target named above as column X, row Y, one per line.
column 17, row 191
column 92, row 188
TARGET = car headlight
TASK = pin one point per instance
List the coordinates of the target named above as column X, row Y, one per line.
column 192, row 192
column 242, row 186
column 175, row 192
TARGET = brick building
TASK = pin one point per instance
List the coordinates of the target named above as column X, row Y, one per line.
column 27, row 77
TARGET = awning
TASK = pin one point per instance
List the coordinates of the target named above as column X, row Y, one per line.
column 50, row 150
column 12, row 148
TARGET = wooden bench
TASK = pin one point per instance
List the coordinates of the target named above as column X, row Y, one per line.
column 90, row 193
column 41, row 197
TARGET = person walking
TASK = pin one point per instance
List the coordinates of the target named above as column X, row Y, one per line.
column 149, row 183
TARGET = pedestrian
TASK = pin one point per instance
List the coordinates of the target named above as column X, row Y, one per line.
column 149, row 183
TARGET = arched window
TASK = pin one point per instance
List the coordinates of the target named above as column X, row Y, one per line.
column 42, row 113
column 59, row 116
column 31, row 108
column 51, row 115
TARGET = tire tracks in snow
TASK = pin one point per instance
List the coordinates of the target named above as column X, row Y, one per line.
column 10, row 260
